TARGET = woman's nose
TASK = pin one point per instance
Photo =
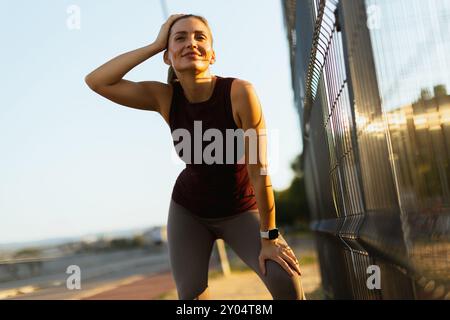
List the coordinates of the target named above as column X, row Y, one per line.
column 192, row 45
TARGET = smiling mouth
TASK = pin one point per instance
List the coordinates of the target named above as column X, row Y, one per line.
column 191, row 55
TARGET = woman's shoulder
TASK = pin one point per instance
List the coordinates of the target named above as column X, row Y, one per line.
column 241, row 89
column 236, row 81
column 244, row 101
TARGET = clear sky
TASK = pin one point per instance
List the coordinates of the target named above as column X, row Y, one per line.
column 73, row 162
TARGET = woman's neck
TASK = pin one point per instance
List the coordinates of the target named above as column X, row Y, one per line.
column 199, row 87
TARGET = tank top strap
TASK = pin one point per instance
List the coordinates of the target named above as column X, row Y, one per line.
column 225, row 94
column 176, row 90
column 175, row 101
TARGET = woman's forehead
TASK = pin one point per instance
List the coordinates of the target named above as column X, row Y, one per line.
column 189, row 25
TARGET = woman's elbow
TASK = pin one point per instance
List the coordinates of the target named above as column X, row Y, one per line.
column 91, row 84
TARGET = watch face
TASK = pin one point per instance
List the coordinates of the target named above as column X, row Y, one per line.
column 273, row 234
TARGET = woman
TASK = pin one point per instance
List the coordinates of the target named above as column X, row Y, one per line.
column 210, row 200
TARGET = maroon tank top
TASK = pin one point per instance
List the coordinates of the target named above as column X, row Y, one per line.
column 209, row 190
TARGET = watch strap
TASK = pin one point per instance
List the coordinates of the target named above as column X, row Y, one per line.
column 266, row 234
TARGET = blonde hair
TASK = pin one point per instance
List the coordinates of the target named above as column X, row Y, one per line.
column 171, row 75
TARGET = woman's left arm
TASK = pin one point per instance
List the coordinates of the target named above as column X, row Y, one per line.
column 248, row 108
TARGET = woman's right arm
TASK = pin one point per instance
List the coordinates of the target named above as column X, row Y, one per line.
column 107, row 80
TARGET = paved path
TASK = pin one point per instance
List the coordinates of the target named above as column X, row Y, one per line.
column 246, row 285
column 149, row 288
column 242, row 284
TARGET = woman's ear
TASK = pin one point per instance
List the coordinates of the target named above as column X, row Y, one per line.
column 166, row 58
column 213, row 57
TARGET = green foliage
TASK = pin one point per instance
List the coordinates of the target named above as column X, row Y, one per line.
column 291, row 204
column 138, row 241
column 28, row 253
column 126, row 243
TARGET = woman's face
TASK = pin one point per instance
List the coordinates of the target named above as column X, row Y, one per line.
column 189, row 46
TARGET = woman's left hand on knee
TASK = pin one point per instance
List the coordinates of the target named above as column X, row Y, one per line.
column 279, row 251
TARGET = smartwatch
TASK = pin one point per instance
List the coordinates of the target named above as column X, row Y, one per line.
column 271, row 234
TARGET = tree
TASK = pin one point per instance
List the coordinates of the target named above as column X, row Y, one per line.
column 291, row 204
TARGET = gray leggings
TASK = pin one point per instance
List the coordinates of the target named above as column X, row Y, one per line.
column 191, row 239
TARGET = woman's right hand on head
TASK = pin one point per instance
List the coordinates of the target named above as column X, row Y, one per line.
column 163, row 36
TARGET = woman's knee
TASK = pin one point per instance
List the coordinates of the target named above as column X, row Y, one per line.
column 281, row 285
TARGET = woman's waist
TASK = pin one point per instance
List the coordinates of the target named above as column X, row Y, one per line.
column 210, row 180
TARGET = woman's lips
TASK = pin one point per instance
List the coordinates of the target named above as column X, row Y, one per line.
column 191, row 55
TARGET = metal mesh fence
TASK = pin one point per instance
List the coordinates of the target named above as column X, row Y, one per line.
column 370, row 79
